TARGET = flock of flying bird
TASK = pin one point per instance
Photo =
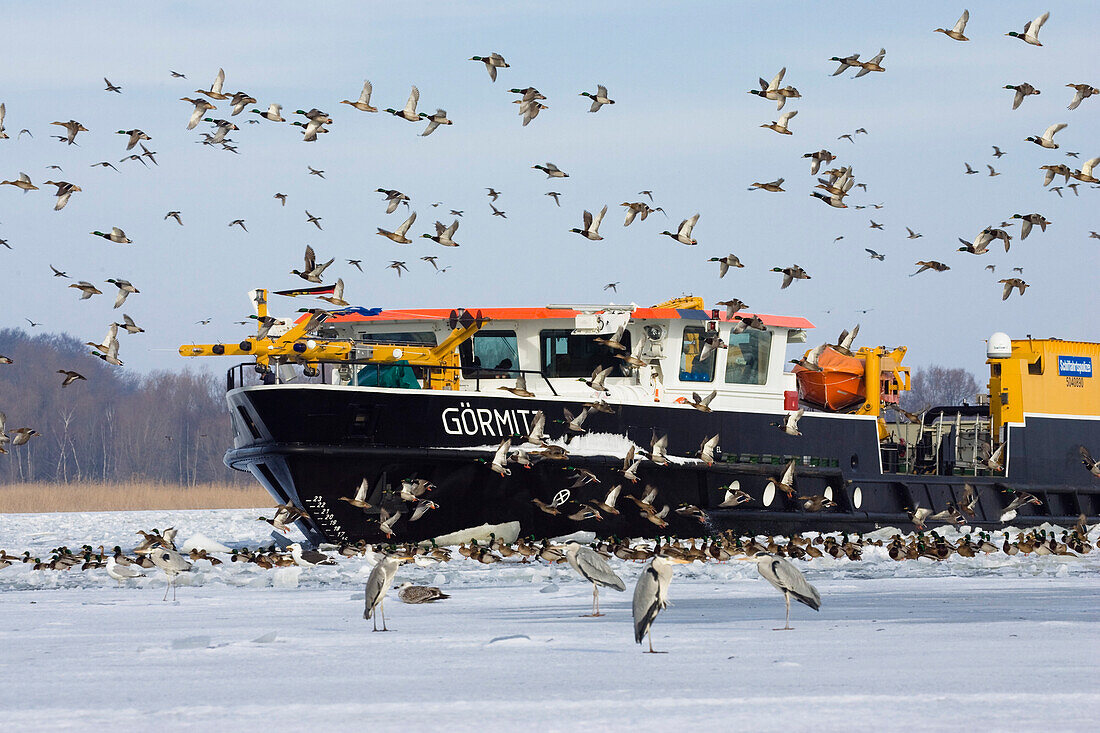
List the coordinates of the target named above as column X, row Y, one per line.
column 832, row 188
column 837, row 183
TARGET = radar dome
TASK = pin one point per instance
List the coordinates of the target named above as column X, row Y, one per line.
column 999, row 346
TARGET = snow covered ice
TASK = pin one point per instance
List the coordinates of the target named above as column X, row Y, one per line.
column 992, row 642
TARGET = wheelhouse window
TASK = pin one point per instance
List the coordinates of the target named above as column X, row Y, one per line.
column 692, row 368
column 565, row 354
column 396, row 375
column 747, row 357
column 489, row 354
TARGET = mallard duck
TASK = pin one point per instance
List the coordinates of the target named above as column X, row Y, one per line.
column 591, row 230
column 596, row 381
column 337, row 296
column 311, row 129
column 115, row 235
column 781, row 125
column 789, row 423
column 809, row 361
column 707, row 449
column 790, row 274
column 135, row 136
column 23, row 182
column 599, row 99
column 386, row 522
column 1081, row 93
column 72, row 127
column 734, row 496
column 1010, row 283
column 1089, row 463
column 215, row 90
column 771, row 90
column 1030, row 33
column 816, row 503
column 397, row 266
column 816, row 159
column 529, row 110
column 312, row 272
column 1047, row 138
column 1054, row 170
column 492, row 62
column 1022, row 91
column 785, row 483
column 221, row 129
column 70, row 377
column 614, row 341
column 683, row 233
column 930, row 265
column 520, row 390
column 239, row 101
column 846, row 62
column 363, row 103
column 960, row 26
column 732, row 307
column 398, row 235
column 775, row 186
column 201, row 108
column 393, row 199
column 86, row 289
column 434, row 121
column 1085, row 173
column 656, row 517
column 125, row 289
column 273, row 113
column 837, row 202
column 979, row 246
column 1027, row 221
column 702, row 404
column 409, row 112
column 443, row 234
column 724, row 264
column 874, row 64
column 551, row 170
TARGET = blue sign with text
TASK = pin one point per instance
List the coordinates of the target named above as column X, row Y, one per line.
column 1074, row 366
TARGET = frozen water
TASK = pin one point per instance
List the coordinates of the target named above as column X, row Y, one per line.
column 993, row 642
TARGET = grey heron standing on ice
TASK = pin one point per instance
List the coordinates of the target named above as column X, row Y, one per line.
column 593, row 568
column 651, row 595
column 790, row 581
column 172, row 563
column 379, row 582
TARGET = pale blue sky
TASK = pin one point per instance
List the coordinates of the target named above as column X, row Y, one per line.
column 683, row 126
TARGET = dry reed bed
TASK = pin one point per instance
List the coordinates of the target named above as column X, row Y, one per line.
column 130, row 496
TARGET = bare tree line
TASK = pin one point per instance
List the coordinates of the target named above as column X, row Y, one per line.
column 937, row 385
column 165, row 427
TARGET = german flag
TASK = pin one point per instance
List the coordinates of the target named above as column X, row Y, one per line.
column 323, row 290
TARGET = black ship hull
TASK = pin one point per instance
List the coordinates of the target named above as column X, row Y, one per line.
column 311, row 445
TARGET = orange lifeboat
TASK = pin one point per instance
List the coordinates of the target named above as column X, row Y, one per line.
column 839, row 383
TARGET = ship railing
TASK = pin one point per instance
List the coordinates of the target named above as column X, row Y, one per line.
column 245, row 374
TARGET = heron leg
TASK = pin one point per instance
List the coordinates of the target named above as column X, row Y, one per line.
column 374, row 618
column 650, row 635
column 382, row 610
column 787, row 621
